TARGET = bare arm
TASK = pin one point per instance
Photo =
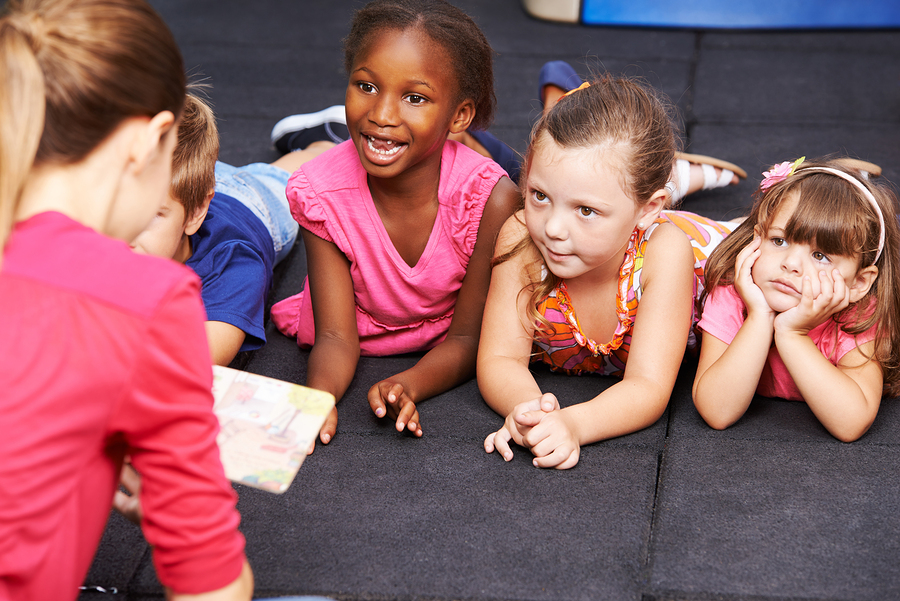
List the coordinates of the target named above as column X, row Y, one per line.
column 452, row 362
column 505, row 348
column 335, row 352
column 845, row 398
column 225, row 341
column 241, row 589
column 728, row 374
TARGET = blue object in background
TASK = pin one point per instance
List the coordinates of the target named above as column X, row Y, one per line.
column 744, row 14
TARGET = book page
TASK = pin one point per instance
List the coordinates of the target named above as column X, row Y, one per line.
column 266, row 426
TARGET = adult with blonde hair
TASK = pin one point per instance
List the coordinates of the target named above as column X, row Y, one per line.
column 104, row 351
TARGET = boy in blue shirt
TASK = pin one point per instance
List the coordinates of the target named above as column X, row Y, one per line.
column 231, row 225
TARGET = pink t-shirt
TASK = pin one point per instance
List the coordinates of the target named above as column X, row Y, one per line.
column 399, row 309
column 723, row 315
column 104, row 353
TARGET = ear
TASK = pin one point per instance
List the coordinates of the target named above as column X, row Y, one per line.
column 146, row 143
column 465, row 112
column 193, row 223
column 862, row 283
column 648, row 212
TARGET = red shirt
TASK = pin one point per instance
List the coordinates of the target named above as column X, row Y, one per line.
column 103, row 352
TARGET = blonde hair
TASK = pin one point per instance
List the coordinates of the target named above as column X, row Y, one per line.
column 620, row 114
column 836, row 217
column 194, row 160
column 70, row 72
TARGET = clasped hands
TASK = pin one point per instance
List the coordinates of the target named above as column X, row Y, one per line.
column 543, row 428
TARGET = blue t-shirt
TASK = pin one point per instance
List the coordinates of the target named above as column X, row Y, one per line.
column 233, row 254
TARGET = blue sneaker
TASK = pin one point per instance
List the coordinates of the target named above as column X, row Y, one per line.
column 299, row 131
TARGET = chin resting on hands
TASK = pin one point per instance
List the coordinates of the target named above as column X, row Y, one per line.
column 815, row 307
column 387, row 398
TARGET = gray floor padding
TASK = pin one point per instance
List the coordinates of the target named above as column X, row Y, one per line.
column 772, row 508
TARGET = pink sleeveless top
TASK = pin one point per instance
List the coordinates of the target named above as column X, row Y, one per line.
column 399, row 309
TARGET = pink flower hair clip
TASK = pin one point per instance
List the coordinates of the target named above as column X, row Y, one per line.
column 779, row 173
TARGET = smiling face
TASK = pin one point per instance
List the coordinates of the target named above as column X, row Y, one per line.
column 401, row 103
column 576, row 211
column 782, row 264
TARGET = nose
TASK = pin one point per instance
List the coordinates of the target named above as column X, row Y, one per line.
column 384, row 111
column 555, row 225
column 792, row 260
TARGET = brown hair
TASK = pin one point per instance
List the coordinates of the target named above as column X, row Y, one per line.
column 835, row 217
column 70, row 72
column 471, row 56
column 194, row 160
column 621, row 115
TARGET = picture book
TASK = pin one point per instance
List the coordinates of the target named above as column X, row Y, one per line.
column 266, row 426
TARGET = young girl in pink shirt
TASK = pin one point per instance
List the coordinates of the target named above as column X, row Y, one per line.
column 803, row 301
column 398, row 222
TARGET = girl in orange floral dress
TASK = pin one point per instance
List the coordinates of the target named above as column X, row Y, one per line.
column 591, row 246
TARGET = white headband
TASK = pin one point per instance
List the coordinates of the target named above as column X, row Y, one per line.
column 865, row 192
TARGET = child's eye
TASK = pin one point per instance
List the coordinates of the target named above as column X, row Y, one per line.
column 778, row 241
column 538, row 195
column 586, row 211
column 415, row 99
column 366, row 87
column 820, row 257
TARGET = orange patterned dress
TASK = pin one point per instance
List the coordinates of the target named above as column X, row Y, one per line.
column 569, row 351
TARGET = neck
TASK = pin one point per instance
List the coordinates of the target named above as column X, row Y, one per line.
column 184, row 251
column 416, row 186
column 78, row 191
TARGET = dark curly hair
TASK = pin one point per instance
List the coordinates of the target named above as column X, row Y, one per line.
column 470, row 53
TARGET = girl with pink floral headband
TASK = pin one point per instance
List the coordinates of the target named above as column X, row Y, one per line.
column 802, row 301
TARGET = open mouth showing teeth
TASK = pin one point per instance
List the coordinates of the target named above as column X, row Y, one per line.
column 392, row 147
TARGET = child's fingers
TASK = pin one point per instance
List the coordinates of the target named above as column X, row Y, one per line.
column 562, row 458
column 529, row 419
column 409, row 418
column 329, row 427
column 130, row 479
column 394, row 393
column 376, row 400
column 549, row 402
column 499, row 441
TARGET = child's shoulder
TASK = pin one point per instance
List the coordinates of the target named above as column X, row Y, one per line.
column 460, row 163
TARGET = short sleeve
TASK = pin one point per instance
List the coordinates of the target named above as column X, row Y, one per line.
column 190, row 519
column 723, row 314
column 306, row 208
column 235, row 292
column 479, row 176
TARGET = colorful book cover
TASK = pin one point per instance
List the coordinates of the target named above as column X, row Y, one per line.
column 266, row 426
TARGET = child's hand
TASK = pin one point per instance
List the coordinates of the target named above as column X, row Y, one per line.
column 552, row 438
column 746, row 288
column 815, row 306
column 389, row 398
column 326, row 433
column 513, row 430
column 129, row 505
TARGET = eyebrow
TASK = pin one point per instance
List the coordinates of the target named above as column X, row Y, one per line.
column 412, row 82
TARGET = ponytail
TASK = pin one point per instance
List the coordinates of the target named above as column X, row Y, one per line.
column 21, row 117
column 71, row 71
